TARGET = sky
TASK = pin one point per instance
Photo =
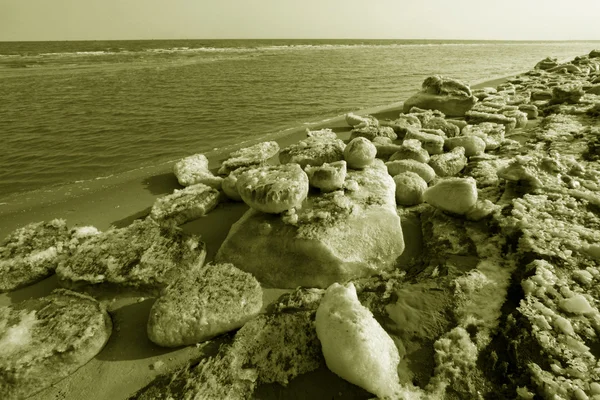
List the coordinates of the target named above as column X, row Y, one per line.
column 299, row 19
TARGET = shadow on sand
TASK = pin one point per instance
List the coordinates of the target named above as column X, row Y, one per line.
column 161, row 184
column 318, row 384
column 39, row 289
column 121, row 223
column 129, row 340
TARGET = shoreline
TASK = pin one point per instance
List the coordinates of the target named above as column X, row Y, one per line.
column 119, row 199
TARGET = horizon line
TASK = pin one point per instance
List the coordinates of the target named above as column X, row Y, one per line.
column 306, row 39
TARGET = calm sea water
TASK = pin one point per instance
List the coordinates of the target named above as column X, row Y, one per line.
column 74, row 111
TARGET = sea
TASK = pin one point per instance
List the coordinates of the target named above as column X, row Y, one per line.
column 73, row 111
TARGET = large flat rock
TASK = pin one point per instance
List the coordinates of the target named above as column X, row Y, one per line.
column 334, row 236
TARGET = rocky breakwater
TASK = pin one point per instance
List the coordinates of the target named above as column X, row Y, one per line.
column 292, row 237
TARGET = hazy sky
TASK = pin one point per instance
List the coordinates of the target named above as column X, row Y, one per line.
column 361, row 19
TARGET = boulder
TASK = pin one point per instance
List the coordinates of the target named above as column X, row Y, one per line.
column 46, row 339
column 409, row 188
column 541, row 95
column 473, row 145
column 594, row 54
column 30, row 253
column 491, row 133
column 372, row 132
column 142, row 256
column 460, row 123
column 475, row 117
column 354, row 345
column 194, row 169
column 436, row 132
column 451, row 97
column 359, row 153
column 229, row 184
column 327, row 177
column 424, row 115
column 519, row 116
column 257, row 154
column 547, row 63
column 333, row 237
column 570, row 93
column 385, row 151
column 449, row 164
column 449, row 129
column 313, row 151
column 573, row 69
column 185, row 205
column 357, row 120
column 455, row 195
column 273, row 189
column 432, row 143
column 402, row 123
column 399, row 166
column 482, row 93
column 326, row 134
column 411, row 149
column 204, row 303
column 529, row 109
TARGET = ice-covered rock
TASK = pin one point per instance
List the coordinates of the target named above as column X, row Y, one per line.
column 327, row 177
column 399, row 166
column 360, row 121
column 543, row 94
column 482, row 93
column 402, row 123
column 143, row 256
column 473, row 145
column 229, row 184
column 547, row 63
column 30, row 253
column 447, row 95
column 519, row 116
column 185, row 205
column 411, row 149
column 449, row 164
column 434, row 144
column 326, row 134
column 530, row 109
column 207, row 301
column 355, row 346
column 476, row 117
column 194, row 169
column 359, row 153
column 449, row 129
column 568, row 67
column 46, row 339
column 409, row 188
column 456, row 195
column 386, row 150
column 257, row 154
column 273, row 189
column 333, row 236
column 491, row 133
column 569, row 93
column 372, row 132
column 314, row 151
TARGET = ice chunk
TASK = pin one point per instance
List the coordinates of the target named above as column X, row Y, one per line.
column 355, row 346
